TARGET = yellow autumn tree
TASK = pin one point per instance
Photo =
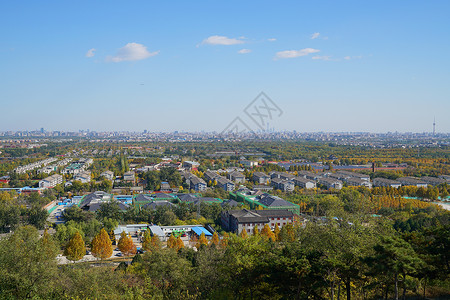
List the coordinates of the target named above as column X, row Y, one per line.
column 267, row 232
column 101, row 246
column 75, row 249
column 276, row 232
column 202, row 240
column 224, row 240
column 244, row 234
column 171, row 242
column 215, row 239
column 255, row 230
column 156, row 243
column 179, row 244
column 126, row 245
column 147, row 241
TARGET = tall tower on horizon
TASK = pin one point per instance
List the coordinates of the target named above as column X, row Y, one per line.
column 434, row 126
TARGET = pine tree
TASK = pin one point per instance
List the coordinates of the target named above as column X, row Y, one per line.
column 244, row 234
column 215, row 239
column 126, row 245
column 75, row 249
column 101, row 245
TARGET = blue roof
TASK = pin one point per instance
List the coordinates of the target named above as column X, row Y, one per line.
column 200, row 230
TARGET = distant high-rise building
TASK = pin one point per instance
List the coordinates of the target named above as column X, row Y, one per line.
column 434, row 126
column 42, row 130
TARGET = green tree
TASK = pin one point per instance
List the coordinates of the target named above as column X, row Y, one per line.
column 395, row 257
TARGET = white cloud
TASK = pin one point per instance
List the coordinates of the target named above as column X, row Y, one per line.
column 131, row 52
column 325, row 57
column 353, row 57
column 90, row 53
column 244, row 51
column 272, row 40
column 315, row 35
column 295, row 53
column 222, row 40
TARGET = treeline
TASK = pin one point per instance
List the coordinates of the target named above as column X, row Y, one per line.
column 340, row 260
column 17, row 211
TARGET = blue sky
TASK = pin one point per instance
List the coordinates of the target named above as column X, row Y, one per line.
column 176, row 65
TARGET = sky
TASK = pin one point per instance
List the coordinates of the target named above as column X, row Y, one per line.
column 336, row 66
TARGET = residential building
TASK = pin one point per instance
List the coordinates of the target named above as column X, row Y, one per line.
column 225, row 184
column 304, row 183
column 355, row 181
column 197, row 184
column 434, row 181
column 412, row 181
column 248, row 163
column 238, row 220
column 261, row 178
column 237, row 177
column 165, row 187
column 51, row 181
column 354, row 174
column 190, row 165
column 384, row 182
column 129, row 176
column 308, row 175
column 284, row 185
column 84, row 176
column 331, row 183
column 108, row 175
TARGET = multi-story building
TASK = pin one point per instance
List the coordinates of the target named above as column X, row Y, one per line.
column 432, row 180
column 331, row 183
column 383, row 182
column 51, row 181
column 355, row 181
column 225, row 184
column 84, row 176
column 236, row 176
column 412, row 181
column 238, row 220
column 261, row 178
column 304, row 183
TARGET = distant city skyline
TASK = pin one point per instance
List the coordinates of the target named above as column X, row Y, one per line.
column 353, row 66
